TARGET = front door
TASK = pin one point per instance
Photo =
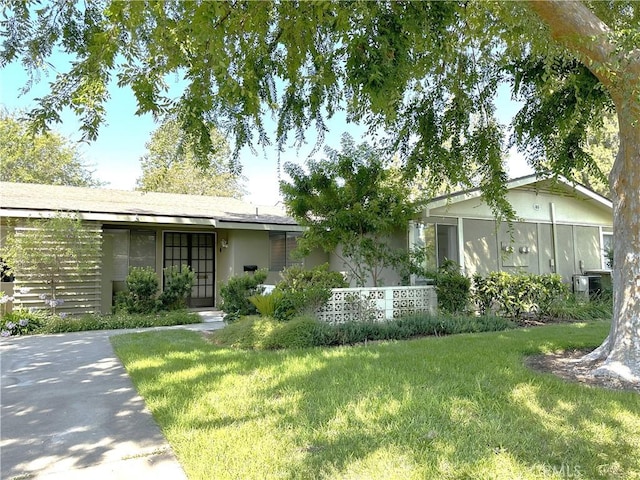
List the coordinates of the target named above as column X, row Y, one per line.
column 195, row 250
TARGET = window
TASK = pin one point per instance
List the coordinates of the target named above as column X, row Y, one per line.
column 447, row 243
column 438, row 240
column 142, row 249
column 281, row 245
column 607, row 250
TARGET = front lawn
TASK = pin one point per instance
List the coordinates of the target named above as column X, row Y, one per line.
column 461, row 406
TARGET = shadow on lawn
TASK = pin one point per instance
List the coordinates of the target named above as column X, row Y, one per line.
column 391, row 406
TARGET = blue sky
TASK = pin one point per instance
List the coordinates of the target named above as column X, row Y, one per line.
column 115, row 155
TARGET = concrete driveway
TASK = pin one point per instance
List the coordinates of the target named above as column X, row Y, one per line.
column 70, row 411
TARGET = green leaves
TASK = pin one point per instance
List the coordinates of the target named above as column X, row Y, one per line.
column 425, row 74
column 351, row 200
column 172, row 165
column 47, row 158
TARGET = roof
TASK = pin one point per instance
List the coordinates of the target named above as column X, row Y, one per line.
column 526, row 181
column 100, row 204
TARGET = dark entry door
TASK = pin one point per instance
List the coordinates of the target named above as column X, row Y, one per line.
column 195, row 250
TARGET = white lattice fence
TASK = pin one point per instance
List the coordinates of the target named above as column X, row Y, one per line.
column 377, row 303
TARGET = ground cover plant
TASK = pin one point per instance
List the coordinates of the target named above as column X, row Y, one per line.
column 264, row 333
column 462, row 406
column 24, row 322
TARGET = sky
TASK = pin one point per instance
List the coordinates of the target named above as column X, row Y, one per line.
column 115, row 156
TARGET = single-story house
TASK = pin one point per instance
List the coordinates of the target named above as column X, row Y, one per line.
column 562, row 228
column 218, row 237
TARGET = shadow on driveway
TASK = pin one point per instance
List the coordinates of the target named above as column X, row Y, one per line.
column 69, row 410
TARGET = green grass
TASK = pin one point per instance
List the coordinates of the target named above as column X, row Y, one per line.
column 460, row 407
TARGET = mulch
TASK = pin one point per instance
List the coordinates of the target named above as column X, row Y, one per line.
column 566, row 365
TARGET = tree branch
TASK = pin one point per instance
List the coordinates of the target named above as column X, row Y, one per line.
column 577, row 27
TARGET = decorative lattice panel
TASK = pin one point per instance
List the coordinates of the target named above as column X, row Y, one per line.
column 377, row 303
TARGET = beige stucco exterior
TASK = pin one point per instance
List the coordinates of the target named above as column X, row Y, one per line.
column 559, row 229
column 237, row 234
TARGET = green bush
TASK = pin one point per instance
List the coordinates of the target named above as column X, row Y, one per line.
column 177, row 287
column 142, row 294
column 518, row 295
column 245, row 333
column 453, row 290
column 142, row 290
column 573, row 309
column 267, row 304
column 236, row 292
column 304, row 291
column 301, row 332
column 21, row 322
column 57, row 324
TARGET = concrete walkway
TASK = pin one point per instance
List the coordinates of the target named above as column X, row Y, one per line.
column 69, row 411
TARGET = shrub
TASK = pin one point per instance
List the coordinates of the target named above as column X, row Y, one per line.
column 21, row 322
column 236, row 292
column 57, row 324
column 267, row 304
column 304, row 291
column 177, row 287
column 453, row 292
column 517, row 295
column 142, row 290
column 142, row 294
column 301, row 332
column 452, row 287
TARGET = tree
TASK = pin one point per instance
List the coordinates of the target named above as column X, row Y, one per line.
column 46, row 158
column 171, row 165
column 352, row 204
column 426, row 72
column 602, row 145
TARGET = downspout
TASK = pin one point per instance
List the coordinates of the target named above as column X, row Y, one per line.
column 554, row 236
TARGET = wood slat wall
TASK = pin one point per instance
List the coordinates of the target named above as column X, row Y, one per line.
column 80, row 290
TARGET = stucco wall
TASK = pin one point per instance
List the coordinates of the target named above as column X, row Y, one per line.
column 534, row 205
column 529, row 247
column 387, row 277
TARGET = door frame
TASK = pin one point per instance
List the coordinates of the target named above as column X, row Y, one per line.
column 215, row 262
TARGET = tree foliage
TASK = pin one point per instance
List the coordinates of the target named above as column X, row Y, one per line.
column 426, row 73
column 171, row 165
column 46, row 158
column 350, row 201
column 602, row 144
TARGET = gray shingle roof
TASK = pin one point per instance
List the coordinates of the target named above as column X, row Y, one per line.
column 47, row 198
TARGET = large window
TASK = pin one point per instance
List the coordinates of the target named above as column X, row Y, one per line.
column 132, row 248
column 281, row 246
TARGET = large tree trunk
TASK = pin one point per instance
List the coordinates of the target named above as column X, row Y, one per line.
column 620, row 353
column 574, row 25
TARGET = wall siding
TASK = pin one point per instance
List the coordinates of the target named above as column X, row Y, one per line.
column 80, row 291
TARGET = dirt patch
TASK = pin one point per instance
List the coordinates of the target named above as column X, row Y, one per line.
column 566, row 365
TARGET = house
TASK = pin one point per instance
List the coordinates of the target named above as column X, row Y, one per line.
column 562, row 227
column 218, row 237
